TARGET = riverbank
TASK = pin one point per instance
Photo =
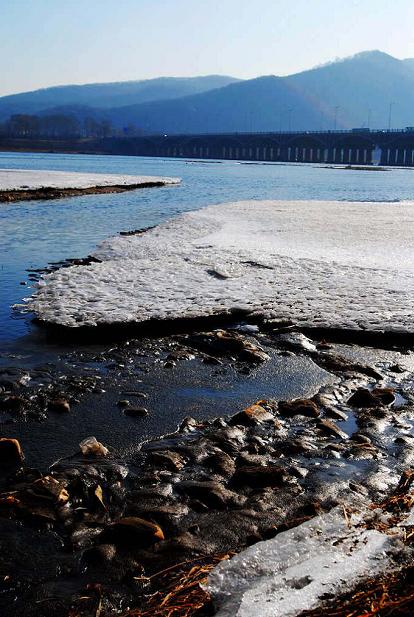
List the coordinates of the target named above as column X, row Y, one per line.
column 254, row 462
column 104, row 527
column 28, row 185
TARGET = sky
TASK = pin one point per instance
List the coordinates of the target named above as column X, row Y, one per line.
column 52, row 42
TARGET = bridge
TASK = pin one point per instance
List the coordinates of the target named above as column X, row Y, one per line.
column 353, row 147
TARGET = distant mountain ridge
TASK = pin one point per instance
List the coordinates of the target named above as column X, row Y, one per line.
column 107, row 95
column 369, row 89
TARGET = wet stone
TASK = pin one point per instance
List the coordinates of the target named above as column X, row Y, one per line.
column 133, row 531
column 329, row 428
column 210, row 493
column 385, row 395
column 59, row 405
column 257, row 476
column 221, row 463
column 364, row 398
column 167, row 459
column 12, row 403
column 10, row 452
column 136, row 412
column 255, row 414
column 299, row 407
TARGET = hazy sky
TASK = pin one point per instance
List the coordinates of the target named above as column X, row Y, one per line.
column 50, row 42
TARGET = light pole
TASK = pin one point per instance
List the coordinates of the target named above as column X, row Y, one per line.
column 290, row 118
column 369, row 119
column 390, row 114
column 337, row 108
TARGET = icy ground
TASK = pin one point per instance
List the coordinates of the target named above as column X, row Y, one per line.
column 301, row 567
column 31, row 180
column 333, row 264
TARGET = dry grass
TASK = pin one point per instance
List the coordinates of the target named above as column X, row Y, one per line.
column 388, row 596
column 180, row 593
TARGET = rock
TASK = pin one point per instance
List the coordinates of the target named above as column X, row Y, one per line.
column 221, row 463
column 188, row 425
column 133, row 531
column 223, row 343
column 364, row 398
column 180, row 354
column 299, row 407
column 338, row 364
column 59, row 404
column 10, row 452
column 12, row 403
column 123, row 403
column 91, row 446
column 136, row 412
column 336, row 414
column 99, row 554
column 329, row 428
column 257, row 476
column 360, row 438
column 385, row 395
column 296, row 341
column 212, row 494
column 167, row 459
column 255, row 414
column 49, row 486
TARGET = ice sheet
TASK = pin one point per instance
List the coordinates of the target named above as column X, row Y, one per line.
column 26, row 179
column 334, row 264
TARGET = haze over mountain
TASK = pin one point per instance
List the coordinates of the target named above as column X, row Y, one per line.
column 107, row 95
column 354, row 92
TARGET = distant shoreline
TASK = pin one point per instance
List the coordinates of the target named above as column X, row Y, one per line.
column 56, row 193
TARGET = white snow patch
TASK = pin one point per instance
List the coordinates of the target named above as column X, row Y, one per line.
column 333, row 264
column 295, row 570
column 27, row 179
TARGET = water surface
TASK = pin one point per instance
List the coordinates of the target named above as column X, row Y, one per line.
column 35, row 233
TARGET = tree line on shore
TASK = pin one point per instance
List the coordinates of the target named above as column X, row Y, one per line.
column 58, row 126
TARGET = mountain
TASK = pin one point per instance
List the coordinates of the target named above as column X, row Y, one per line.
column 352, row 92
column 368, row 89
column 62, row 98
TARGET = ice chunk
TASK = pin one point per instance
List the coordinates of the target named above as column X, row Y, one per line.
column 91, row 445
column 295, row 570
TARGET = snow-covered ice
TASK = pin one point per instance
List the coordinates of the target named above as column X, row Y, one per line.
column 31, row 180
column 298, row 568
column 333, row 264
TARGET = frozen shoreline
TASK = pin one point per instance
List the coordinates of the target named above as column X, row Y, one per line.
column 275, row 258
column 16, row 184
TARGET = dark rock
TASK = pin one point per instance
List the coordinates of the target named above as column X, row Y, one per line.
column 299, row 407
column 136, row 412
column 221, row 463
column 364, row 398
column 123, row 403
column 360, row 438
column 12, row 403
column 59, row 404
column 385, row 395
column 167, row 459
column 329, row 428
column 335, row 414
column 10, row 452
column 257, row 476
column 132, row 531
column 211, row 493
